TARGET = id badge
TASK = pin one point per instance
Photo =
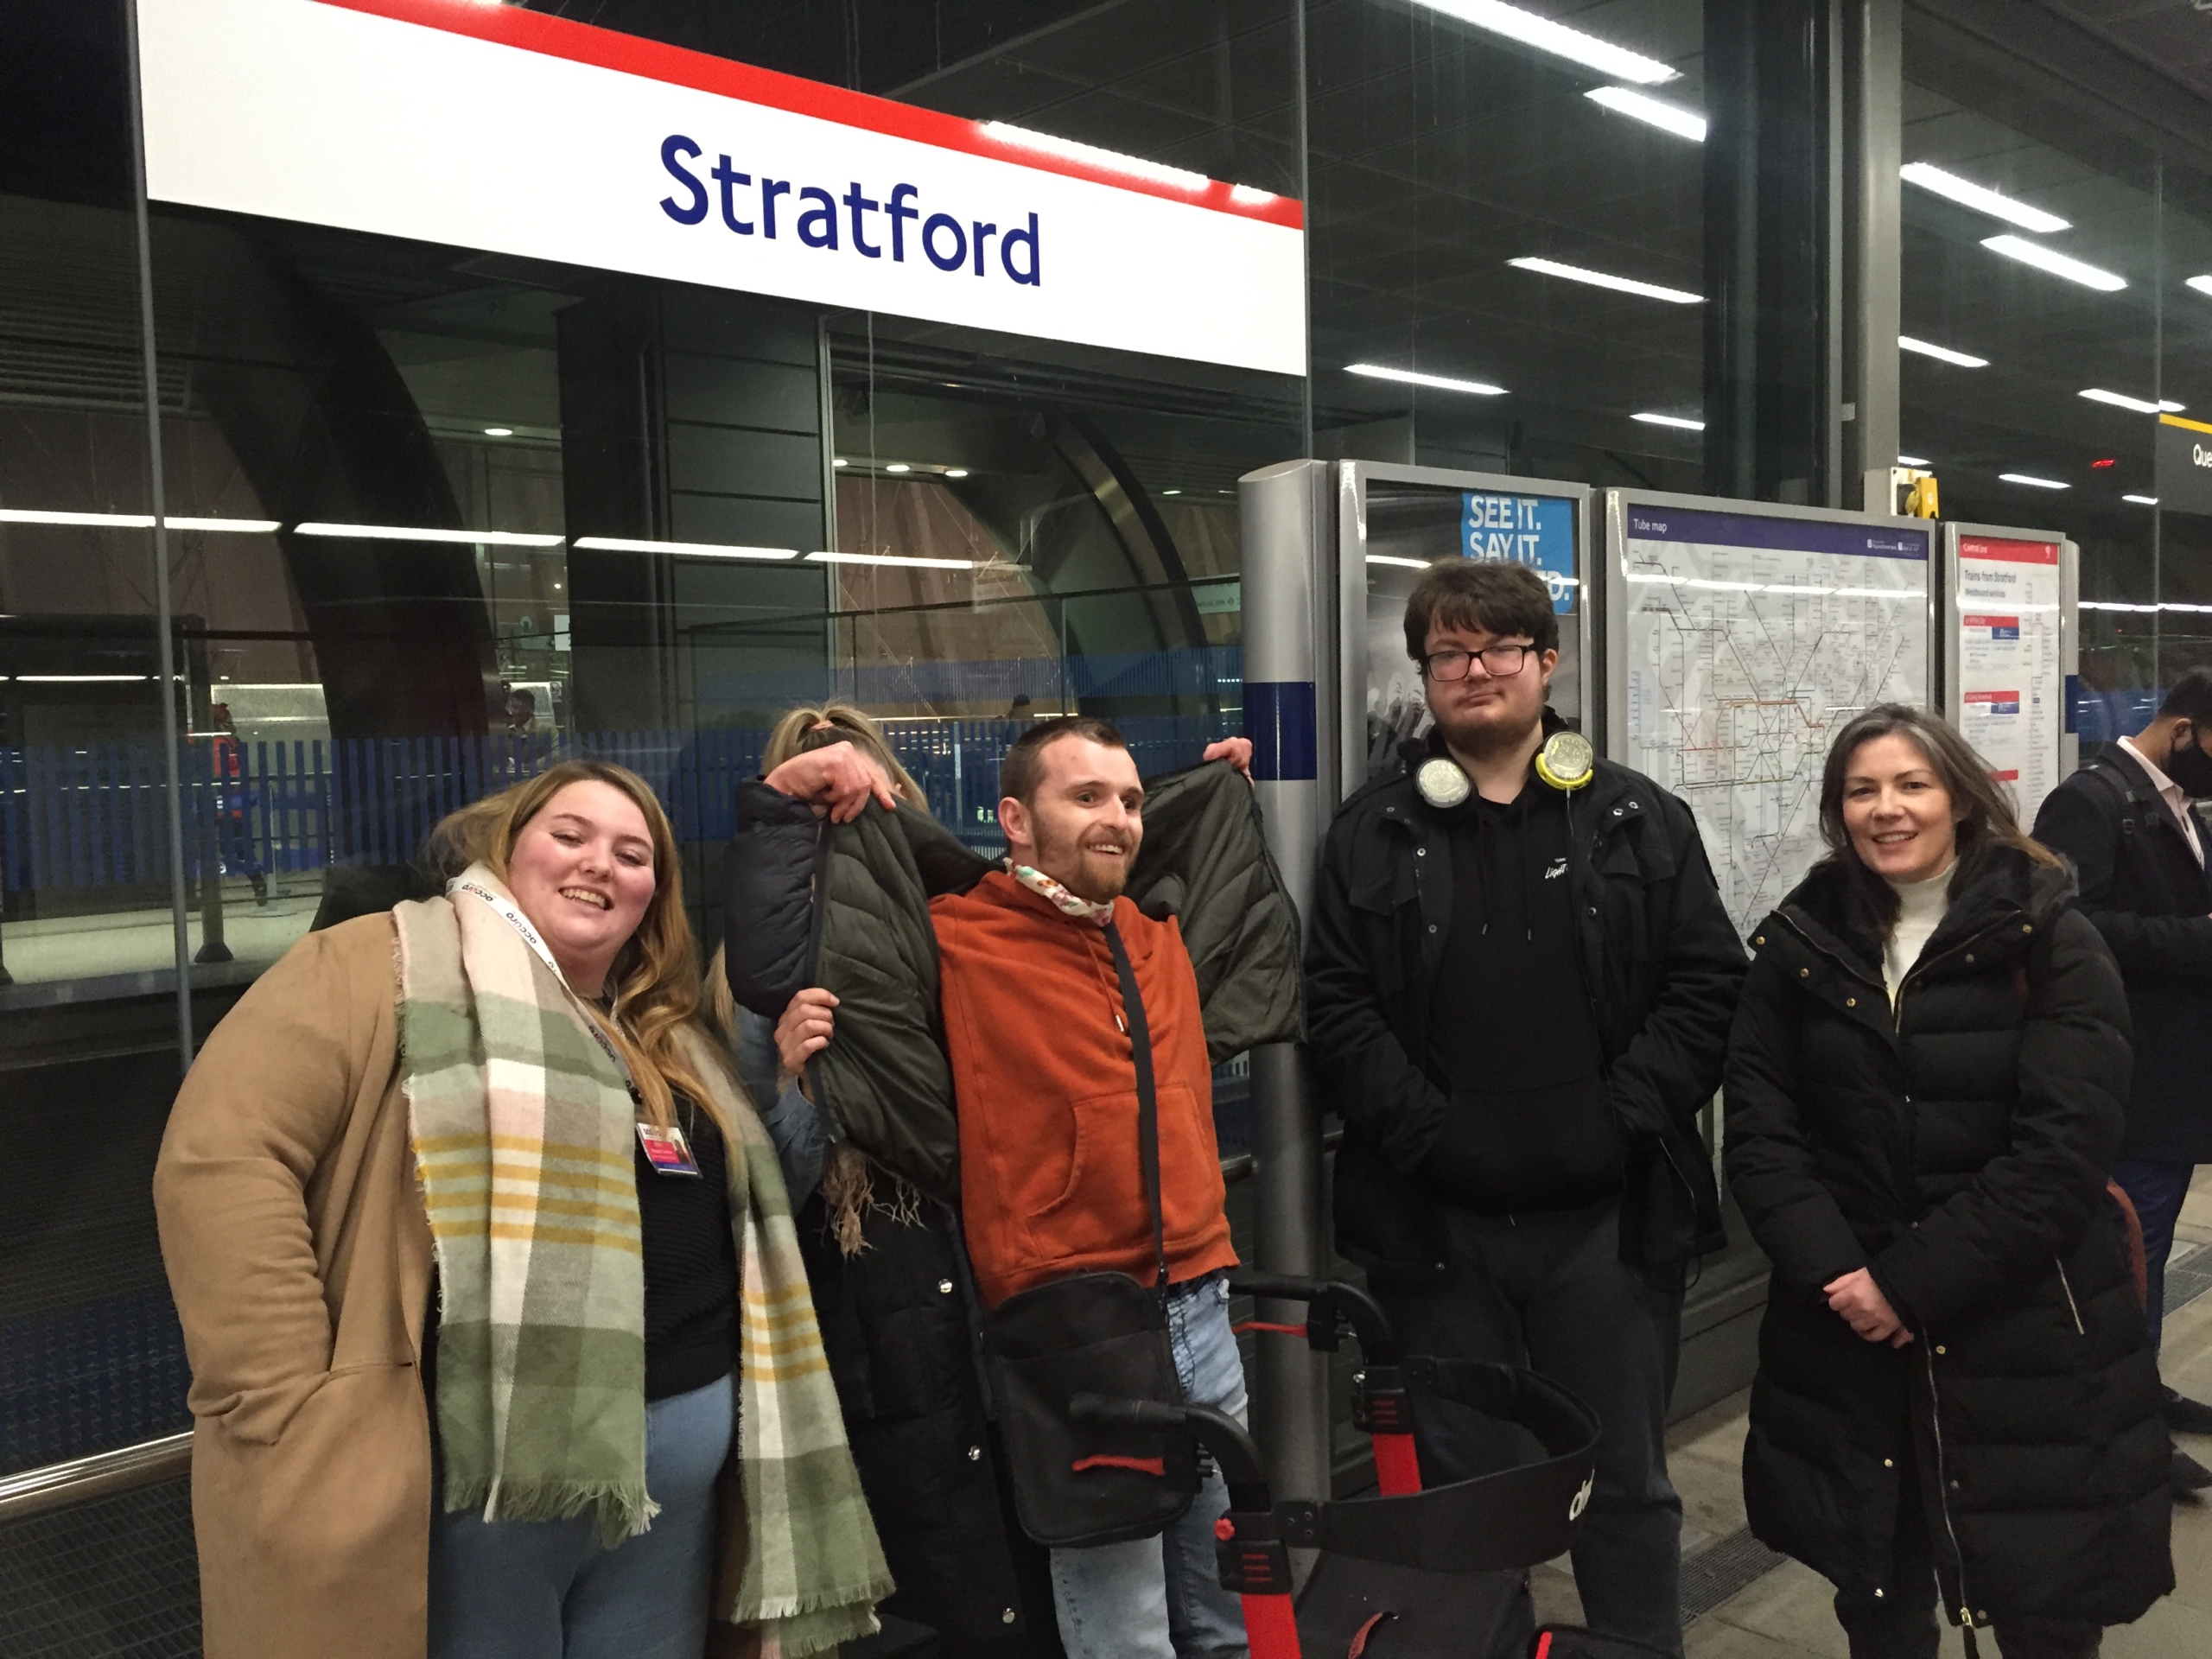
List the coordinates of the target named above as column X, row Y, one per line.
column 666, row 1150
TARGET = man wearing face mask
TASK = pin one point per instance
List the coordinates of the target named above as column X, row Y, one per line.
column 2129, row 824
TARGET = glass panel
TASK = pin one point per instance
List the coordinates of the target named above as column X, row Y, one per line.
column 90, row 1354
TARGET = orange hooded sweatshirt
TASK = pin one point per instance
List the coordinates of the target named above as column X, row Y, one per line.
column 1052, row 1181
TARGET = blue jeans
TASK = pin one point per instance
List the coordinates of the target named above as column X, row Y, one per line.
column 2156, row 1192
column 1161, row 1598
column 551, row 1589
column 1550, row 1292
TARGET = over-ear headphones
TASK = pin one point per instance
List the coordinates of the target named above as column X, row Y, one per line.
column 1567, row 761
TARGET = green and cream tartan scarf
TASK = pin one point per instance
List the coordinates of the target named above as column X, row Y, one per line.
column 522, row 1132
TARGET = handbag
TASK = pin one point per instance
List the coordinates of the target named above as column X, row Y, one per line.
column 1093, row 1333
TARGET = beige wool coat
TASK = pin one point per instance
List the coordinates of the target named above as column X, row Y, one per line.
column 299, row 1255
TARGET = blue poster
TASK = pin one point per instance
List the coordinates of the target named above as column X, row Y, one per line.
column 1532, row 530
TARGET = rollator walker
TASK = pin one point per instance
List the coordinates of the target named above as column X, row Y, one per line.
column 1410, row 1572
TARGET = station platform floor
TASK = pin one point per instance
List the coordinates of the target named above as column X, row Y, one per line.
column 1741, row 1601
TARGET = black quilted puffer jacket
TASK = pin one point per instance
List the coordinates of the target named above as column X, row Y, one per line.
column 1957, row 1148
column 846, row 906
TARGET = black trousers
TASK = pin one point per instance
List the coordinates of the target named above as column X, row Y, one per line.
column 1897, row 1621
column 1549, row 1292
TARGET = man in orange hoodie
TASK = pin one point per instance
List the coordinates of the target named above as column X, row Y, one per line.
column 1051, row 1182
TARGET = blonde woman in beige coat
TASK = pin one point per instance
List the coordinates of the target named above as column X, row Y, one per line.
column 292, row 1210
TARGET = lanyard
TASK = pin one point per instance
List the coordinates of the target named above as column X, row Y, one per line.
column 513, row 918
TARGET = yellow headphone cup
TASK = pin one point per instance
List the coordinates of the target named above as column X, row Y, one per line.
column 1552, row 777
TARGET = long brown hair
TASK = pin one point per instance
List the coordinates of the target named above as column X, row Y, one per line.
column 798, row 732
column 1987, row 820
column 655, row 976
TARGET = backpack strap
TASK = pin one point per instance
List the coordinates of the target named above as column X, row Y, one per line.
column 2123, row 786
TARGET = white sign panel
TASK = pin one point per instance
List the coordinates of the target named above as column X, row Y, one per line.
column 2011, row 677
column 498, row 128
column 1750, row 638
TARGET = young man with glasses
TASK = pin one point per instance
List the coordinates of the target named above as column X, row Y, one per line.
column 1520, row 978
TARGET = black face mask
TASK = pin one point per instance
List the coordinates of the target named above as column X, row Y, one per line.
column 2189, row 766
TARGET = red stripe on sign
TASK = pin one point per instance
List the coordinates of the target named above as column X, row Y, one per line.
column 1991, row 696
column 1989, row 621
column 2011, row 551
column 677, row 66
column 2006, row 777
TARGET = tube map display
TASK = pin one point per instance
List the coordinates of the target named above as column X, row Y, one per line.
column 1751, row 639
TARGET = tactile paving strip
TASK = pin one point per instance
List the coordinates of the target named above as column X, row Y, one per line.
column 113, row 1579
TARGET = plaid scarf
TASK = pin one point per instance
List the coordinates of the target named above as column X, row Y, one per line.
column 522, row 1134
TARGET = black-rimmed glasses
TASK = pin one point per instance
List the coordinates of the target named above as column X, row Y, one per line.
column 1500, row 662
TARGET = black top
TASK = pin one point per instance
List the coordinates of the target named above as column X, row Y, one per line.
column 1512, row 1039
column 690, row 1264
column 691, row 1270
column 2145, row 892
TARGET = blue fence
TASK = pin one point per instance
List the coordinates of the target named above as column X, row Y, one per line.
column 95, row 817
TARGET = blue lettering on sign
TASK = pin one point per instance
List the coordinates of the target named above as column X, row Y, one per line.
column 1537, row 530
column 947, row 240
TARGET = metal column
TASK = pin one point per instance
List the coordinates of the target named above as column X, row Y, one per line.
column 1289, row 609
column 1871, row 65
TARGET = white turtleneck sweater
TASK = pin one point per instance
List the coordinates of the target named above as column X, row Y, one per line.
column 1921, row 906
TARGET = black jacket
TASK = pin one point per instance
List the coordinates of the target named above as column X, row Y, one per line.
column 1659, row 959
column 2147, row 894
column 1957, row 1150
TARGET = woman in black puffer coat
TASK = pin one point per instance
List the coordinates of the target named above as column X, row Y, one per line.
column 1923, row 1092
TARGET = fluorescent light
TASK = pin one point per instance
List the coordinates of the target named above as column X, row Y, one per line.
column 83, row 679
column 1605, row 279
column 2202, row 284
column 2033, row 482
column 892, row 558
column 1941, row 353
column 897, row 466
column 498, row 431
column 1684, row 421
column 2142, row 500
column 955, row 471
column 840, row 461
column 1981, row 198
column 133, row 521
column 1250, row 195
column 1912, row 461
column 1555, row 38
column 2034, row 253
column 685, row 550
column 2122, row 605
column 412, row 533
column 1392, row 558
column 1111, row 160
column 1668, row 118
column 1171, row 492
column 1442, row 383
column 2121, row 400
column 89, row 520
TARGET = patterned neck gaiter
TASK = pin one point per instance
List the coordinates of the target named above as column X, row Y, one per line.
column 1043, row 884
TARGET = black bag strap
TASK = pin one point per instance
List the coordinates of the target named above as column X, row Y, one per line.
column 1148, row 1102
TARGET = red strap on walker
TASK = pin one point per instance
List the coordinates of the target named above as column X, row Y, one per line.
column 1263, row 1324
column 1107, row 1460
column 1397, row 1468
column 1271, row 1627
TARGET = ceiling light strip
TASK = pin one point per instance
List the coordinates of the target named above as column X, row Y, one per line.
column 1941, row 354
column 1668, row 118
column 1606, row 279
column 2134, row 405
column 416, row 533
column 1439, row 381
column 1559, row 39
column 2043, row 258
column 912, row 559
column 1968, row 193
column 683, row 549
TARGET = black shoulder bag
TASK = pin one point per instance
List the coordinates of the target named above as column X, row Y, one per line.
column 1078, row 1483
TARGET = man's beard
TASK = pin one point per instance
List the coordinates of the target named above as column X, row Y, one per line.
column 1486, row 738
column 1082, row 875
